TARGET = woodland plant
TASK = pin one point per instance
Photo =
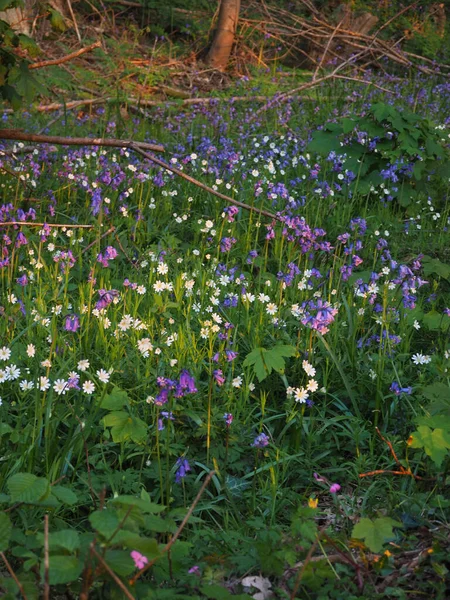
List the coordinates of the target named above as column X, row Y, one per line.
column 155, row 339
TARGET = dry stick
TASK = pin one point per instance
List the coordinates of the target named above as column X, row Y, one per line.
column 110, row 230
column 15, row 134
column 46, row 561
column 326, row 49
column 13, row 575
column 75, row 24
column 188, row 515
column 201, row 185
column 112, row 574
column 63, row 59
column 34, row 224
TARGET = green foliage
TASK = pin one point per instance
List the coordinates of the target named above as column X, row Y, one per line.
column 375, row 533
column 401, row 151
column 265, row 361
column 434, row 441
column 16, row 81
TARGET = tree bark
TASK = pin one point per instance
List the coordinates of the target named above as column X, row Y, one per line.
column 223, row 41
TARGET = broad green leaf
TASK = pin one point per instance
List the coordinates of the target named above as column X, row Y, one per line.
column 375, row 533
column 5, row 531
column 125, row 427
column 66, row 539
column 25, row 487
column 435, row 443
column 120, row 562
column 144, row 505
column 115, row 400
column 104, row 521
column 437, row 391
column 323, row 143
column 4, row 429
column 265, row 361
column 64, row 495
column 255, row 359
column 63, row 569
column 57, row 20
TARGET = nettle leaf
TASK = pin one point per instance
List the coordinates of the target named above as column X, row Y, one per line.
column 435, row 443
column 265, row 361
column 25, row 487
column 5, row 531
column 115, row 400
column 375, row 533
column 126, row 427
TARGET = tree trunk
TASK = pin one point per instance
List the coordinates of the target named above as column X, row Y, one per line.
column 223, row 41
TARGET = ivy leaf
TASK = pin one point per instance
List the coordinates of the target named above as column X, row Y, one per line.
column 125, row 427
column 435, row 443
column 5, row 531
column 375, row 533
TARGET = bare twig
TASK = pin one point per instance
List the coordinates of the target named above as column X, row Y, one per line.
column 16, row 134
column 13, row 575
column 75, row 24
column 306, row 562
column 326, row 49
column 111, row 573
column 201, row 185
column 188, row 515
column 110, row 230
column 34, row 224
column 63, row 59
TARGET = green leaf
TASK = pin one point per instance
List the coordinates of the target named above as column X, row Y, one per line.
column 436, row 267
column 115, row 400
column 437, row 391
column 66, row 539
column 5, row 531
column 323, row 143
column 120, row 562
column 57, row 20
column 144, row 505
column 4, row 429
column 125, row 427
column 105, row 522
column 64, row 495
column 435, row 443
column 25, row 83
column 265, row 361
column 63, row 569
column 25, row 487
column 375, row 533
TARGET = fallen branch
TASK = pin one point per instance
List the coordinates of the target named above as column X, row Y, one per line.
column 201, row 185
column 34, row 224
column 111, row 573
column 63, row 59
column 15, row 134
column 169, row 545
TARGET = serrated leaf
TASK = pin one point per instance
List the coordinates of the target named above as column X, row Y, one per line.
column 25, row 487
column 144, row 505
column 105, row 521
column 435, row 443
column 375, row 533
column 64, row 495
column 66, row 539
column 63, row 569
column 125, row 427
column 120, row 562
column 5, row 531
column 265, row 361
column 115, row 400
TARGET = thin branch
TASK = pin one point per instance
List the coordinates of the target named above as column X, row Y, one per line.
column 188, row 515
column 15, row 134
column 13, row 575
column 326, row 49
column 63, row 59
column 34, row 224
column 201, row 185
column 112, row 574
column 306, row 562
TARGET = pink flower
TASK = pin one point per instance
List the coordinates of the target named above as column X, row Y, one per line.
column 139, row 559
column 335, row 488
column 317, row 477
